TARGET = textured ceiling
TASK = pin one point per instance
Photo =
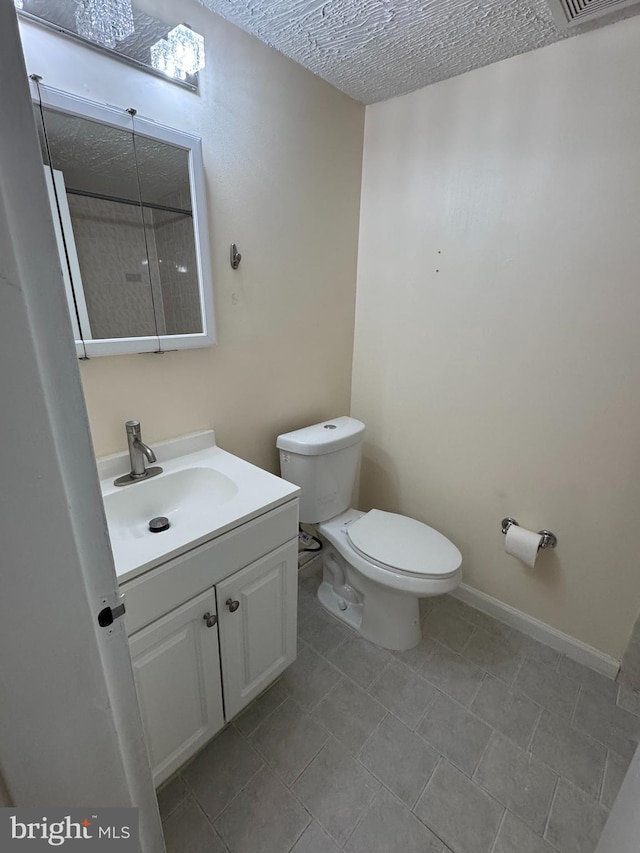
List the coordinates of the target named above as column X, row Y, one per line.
column 377, row 49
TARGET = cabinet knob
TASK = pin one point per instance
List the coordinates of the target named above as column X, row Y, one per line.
column 210, row 620
column 232, row 605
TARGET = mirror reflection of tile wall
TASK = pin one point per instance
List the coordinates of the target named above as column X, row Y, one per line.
column 177, row 266
column 121, row 288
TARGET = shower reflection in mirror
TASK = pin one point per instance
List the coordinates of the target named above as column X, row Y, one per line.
column 128, row 203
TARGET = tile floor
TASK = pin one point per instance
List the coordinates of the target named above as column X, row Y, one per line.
column 480, row 740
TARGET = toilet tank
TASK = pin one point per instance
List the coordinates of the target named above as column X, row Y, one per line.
column 323, row 460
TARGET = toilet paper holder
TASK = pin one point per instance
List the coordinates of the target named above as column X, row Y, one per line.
column 549, row 539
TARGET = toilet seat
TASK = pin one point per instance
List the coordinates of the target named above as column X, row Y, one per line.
column 405, row 545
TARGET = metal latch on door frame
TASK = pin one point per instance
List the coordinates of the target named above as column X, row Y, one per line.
column 107, row 615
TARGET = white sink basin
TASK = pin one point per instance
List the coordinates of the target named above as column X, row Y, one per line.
column 185, row 497
column 203, row 492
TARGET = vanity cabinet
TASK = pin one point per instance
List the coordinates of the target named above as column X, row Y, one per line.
column 209, row 630
column 257, row 625
column 176, row 664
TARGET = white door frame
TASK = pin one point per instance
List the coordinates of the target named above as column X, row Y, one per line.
column 70, row 728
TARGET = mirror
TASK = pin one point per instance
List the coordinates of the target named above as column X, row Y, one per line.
column 127, row 197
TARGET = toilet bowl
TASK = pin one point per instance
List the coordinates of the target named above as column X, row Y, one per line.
column 390, row 562
column 376, row 565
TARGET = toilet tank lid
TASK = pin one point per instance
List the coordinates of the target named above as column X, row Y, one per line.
column 322, row 438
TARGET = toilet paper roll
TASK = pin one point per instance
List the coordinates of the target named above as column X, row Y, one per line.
column 523, row 544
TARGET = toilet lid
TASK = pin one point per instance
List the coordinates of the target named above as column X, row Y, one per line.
column 404, row 544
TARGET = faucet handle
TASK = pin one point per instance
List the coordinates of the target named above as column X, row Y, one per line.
column 133, row 427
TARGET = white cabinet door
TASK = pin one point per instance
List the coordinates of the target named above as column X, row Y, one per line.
column 257, row 609
column 177, row 671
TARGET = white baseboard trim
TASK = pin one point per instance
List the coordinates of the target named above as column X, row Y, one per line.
column 572, row 648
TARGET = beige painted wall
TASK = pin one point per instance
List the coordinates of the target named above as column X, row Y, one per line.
column 497, row 348
column 283, row 153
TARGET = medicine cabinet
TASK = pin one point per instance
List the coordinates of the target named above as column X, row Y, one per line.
column 129, row 207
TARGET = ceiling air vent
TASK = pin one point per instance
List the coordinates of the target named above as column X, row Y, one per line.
column 571, row 13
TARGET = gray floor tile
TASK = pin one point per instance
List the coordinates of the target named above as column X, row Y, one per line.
column 542, row 683
column 389, row 826
column 518, row 780
column 221, row 770
column 605, row 721
column 494, row 654
column 171, row 795
column 425, row 605
column 360, row 660
column 472, row 615
column 491, row 625
column 449, row 629
column 322, row 632
column 452, row 674
column 188, row 831
column 533, row 649
column 308, row 605
column 629, row 700
column 249, row 720
column 315, row 840
column 264, row 818
column 399, row 758
column 588, row 678
column 614, row 773
column 576, row 820
column 404, row 692
column 570, row 753
column 418, row 655
column 456, row 733
column 512, row 714
column 288, row 740
column 349, row 714
column 308, row 597
column 309, row 678
column 337, row 790
column 456, row 606
column 310, row 577
column 516, row 837
column 459, row 812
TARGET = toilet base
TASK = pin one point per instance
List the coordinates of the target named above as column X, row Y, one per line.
column 384, row 617
column 390, row 619
column 346, row 611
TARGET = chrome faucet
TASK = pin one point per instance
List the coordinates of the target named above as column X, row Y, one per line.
column 138, row 451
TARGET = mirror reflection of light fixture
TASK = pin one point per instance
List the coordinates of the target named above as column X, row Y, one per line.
column 104, row 22
column 180, row 54
column 120, row 29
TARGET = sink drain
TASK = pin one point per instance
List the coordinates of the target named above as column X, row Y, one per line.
column 159, row 524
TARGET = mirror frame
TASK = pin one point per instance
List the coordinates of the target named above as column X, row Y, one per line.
column 64, row 102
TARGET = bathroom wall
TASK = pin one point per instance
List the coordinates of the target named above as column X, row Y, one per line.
column 282, row 154
column 497, row 353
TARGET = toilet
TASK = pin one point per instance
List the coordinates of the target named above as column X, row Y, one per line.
column 376, row 565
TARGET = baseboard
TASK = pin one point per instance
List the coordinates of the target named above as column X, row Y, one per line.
column 305, row 558
column 572, row 648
